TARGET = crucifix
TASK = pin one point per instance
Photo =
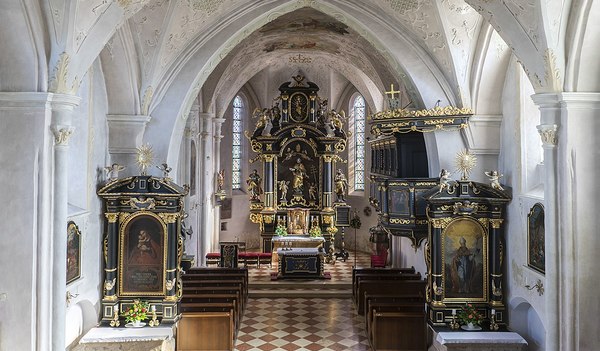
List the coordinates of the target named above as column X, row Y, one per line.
column 393, row 102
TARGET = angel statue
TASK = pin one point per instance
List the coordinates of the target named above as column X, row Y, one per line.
column 283, row 188
column 113, row 170
column 495, row 179
column 444, row 179
column 164, row 167
column 312, row 191
column 336, row 119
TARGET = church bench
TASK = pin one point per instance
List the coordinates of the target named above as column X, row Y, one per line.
column 235, row 290
column 360, row 273
column 213, row 258
column 383, row 278
column 406, row 286
column 218, row 273
column 411, row 324
column 234, row 282
column 204, row 302
column 216, row 306
column 265, row 258
column 206, row 331
column 390, row 303
column 248, row 258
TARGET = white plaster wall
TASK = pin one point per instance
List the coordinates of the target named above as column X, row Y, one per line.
column 518, row 162
column 87, row 156
column 26, row 139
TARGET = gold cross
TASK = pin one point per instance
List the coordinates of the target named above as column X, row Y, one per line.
column 392, row 91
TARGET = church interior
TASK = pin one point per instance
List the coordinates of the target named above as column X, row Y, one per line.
column 299, row 174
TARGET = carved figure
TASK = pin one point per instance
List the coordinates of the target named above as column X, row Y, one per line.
column 113, row 170
column 165, row 169
column 220, row 180
column 312, row 191
column 341, row 186
column 336, row 119
column 444, row 179
column 254, row 187
column 299, row 172
column 495, row 179
column 283, row 188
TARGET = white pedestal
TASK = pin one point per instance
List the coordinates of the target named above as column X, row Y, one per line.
column 131, row 339
column 475, row 341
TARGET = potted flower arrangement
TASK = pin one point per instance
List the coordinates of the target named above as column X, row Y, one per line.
column 135, row 314
column 469, row 316
column 280, row 230
column 314, row 231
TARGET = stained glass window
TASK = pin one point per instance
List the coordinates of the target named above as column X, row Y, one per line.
column 236, row 167
column 358, row 114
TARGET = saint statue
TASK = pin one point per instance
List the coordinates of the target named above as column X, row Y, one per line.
column 299, row 173
column 283, row 188
column 220, row 180
column 312, row 191
column 254, row 186
column 341, row 186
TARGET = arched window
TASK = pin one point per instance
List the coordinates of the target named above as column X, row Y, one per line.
column 358, row 119
column 236, row 165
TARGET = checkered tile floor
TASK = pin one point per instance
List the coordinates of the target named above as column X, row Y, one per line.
column 301, row 324
column 341, row 272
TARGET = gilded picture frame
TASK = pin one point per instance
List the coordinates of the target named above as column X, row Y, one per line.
column 142, row 255
column 73, row 252
column 536, row 239
column 465, row 261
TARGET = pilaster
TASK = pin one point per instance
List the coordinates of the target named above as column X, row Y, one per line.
column 125, row 133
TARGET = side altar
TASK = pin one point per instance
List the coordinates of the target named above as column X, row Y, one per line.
column 297, row 141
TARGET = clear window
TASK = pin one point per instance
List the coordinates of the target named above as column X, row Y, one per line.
column 236, row 168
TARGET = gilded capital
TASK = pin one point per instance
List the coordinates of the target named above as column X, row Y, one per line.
column 169, row 217
column 496, row 223
column 112, row 217
column 549, row 134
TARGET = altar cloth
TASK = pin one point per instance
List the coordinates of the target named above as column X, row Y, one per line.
column 106, row 334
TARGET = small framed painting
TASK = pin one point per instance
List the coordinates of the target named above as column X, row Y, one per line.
column 536, row 239
column 73, row 252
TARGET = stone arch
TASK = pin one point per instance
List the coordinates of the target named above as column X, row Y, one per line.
column 525, row 320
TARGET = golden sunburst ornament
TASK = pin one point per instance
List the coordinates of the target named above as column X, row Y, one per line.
column 145, row 157
column 465, row 162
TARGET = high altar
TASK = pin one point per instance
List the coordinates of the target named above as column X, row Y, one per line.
column 298, row 141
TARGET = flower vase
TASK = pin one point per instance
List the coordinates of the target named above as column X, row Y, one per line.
column 470, row 325
column 137, row 324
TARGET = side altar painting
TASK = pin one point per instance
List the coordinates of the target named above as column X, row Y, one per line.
column 298, row 141
column 73, row 252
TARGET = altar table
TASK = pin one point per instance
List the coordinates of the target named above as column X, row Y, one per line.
column 294, row 241
column 300, row 263
column 128, row 339
column 477, row 341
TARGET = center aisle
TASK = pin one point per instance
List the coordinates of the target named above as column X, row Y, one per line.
column 297, row 314
column 301, row 324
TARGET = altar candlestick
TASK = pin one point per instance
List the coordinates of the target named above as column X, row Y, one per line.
column 493, row 311
column 454, row 311
column 153, row 308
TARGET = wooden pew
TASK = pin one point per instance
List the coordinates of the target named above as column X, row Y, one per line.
column 389, row 303
column 206, row 331
column 400, row 284
column 376, row 274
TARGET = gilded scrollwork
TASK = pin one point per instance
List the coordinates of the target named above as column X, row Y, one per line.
column 123, row 216
column 433, row 112
column 169, row 217
column 109, row 284
column 438, row 290
column 496, row 222
column 440, row 222
column 170, row 284
column 255, row 217
column 400, row 221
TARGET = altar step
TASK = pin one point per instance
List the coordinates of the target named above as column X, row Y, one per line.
column 300, row 289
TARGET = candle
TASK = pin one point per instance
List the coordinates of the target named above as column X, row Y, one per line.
column 116, row 308
column 153, row 308
column 454, row 311
column 493, row 311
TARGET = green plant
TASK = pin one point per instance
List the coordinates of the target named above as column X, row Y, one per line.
column 137, row 312
column 280, row 230
column 315, row 231
column 468, row 314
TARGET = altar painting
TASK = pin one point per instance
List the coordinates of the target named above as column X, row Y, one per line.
column 464, row 246
column 143, row 255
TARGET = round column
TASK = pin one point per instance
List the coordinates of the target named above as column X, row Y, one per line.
column 327, row 182
column 268, row 182
column 62, row 110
